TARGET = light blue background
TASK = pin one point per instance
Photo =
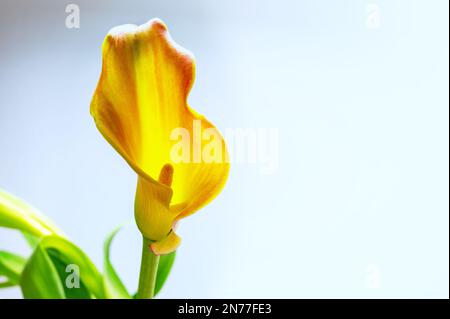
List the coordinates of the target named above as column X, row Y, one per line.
column 362, row 185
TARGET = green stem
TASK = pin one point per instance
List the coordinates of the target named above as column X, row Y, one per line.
column 149, row 268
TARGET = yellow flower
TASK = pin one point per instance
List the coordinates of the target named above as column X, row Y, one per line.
column 139, row 105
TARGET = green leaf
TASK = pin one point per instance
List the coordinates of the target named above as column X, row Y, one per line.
column 11, row 266
column 40, row 279
column 16, row 214
column 164, row 267
column 114, row 288
column 69, row 254
column 55, row 266
column 67, row 275
column 7, row 284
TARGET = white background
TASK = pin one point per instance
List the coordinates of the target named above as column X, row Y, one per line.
column 358, row 206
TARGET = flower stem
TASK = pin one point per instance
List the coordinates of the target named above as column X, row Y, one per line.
column 149, row 268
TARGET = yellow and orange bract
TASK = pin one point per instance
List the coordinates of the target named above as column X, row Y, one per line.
column 140, row 99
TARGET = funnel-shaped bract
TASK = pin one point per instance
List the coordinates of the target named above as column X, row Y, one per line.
column 140, row 107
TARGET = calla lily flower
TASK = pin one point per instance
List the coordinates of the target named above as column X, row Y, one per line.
column 139, row 104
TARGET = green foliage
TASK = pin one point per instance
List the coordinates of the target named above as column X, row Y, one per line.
column 69, row 254
column 16, row 214
column 40, row 278
column 164, row 267
column 57, row 268
column 11, row 266
column 114, row 288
